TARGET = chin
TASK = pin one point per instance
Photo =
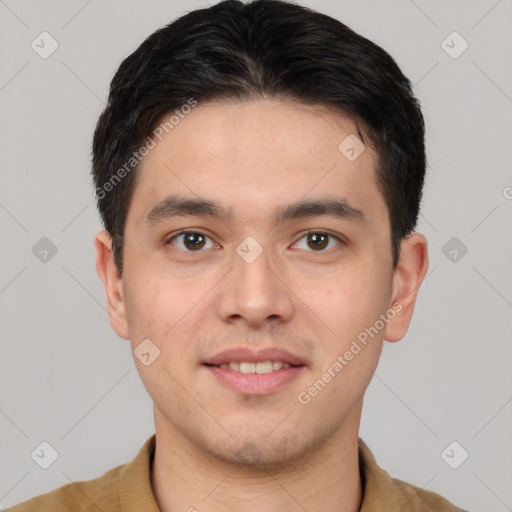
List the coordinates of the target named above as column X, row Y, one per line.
column 269, row 449
column 260, row 455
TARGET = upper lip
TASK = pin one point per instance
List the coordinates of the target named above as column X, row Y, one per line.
column 255, row 356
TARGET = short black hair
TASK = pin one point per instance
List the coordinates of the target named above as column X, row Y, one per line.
column 260, row 49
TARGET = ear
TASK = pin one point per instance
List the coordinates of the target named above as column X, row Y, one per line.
column 409, row 274
column 112, row 282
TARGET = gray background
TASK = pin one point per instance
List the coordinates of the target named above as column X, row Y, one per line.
column 68, row 379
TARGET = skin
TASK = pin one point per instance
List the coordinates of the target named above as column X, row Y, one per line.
column 218, row 449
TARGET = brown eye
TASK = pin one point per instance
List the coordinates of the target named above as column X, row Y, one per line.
column 318, row 240
column 191, row 241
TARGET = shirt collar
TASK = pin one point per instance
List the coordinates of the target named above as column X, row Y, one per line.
column 380, row 491
column 135, row 491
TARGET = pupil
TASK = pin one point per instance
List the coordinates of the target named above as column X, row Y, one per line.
column 319, row 240
column 189, row 238
column 316, row 237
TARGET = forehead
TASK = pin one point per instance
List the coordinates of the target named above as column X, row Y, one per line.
column 256, row 154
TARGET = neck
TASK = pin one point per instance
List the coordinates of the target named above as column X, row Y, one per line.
column 186, row 477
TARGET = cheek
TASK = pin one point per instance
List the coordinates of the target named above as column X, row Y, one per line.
column 351, row 300
column 164, row 309
column 350, row 305
column 160, row 310
column 153, row 306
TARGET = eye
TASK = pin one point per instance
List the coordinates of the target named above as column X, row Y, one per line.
column 193, row 241
column 318, row 240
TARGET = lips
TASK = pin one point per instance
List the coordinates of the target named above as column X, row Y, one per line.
column 247, row 371
column 251, row 356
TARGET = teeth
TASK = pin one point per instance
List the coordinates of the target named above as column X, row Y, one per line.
column 264, row 367
column 247, row 367
column 259, row 368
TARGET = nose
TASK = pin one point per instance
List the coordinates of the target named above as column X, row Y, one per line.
column 255, row 293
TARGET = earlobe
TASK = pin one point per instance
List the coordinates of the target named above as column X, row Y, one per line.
column 112, row 282
column 409, row 274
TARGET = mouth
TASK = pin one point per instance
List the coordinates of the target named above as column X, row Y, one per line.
column 255, row 373
column 260, row 367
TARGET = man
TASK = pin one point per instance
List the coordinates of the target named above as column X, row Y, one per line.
column 259, row 170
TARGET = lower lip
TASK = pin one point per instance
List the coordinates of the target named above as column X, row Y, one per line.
column 255, row 383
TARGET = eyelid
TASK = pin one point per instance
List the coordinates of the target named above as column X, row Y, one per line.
column 338, row 237
column 300, row 236
column 171, row 237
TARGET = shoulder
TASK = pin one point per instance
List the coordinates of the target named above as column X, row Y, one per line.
column 383, row 492
column 100, row 493
column 420, row 500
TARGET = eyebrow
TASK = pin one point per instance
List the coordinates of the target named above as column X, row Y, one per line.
column 176, row 206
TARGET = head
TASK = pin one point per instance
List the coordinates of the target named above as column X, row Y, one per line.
column 239, row 121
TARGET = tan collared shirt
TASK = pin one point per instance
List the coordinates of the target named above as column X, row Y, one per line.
column 127, row 488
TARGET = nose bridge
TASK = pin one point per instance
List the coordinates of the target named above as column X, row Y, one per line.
column 253, row 264
column 254, row 289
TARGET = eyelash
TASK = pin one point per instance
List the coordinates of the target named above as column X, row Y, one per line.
column 173, row 237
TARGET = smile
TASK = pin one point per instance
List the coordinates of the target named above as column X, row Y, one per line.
column 249, row 367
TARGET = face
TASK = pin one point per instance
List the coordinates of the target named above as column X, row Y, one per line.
column 288, row 289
